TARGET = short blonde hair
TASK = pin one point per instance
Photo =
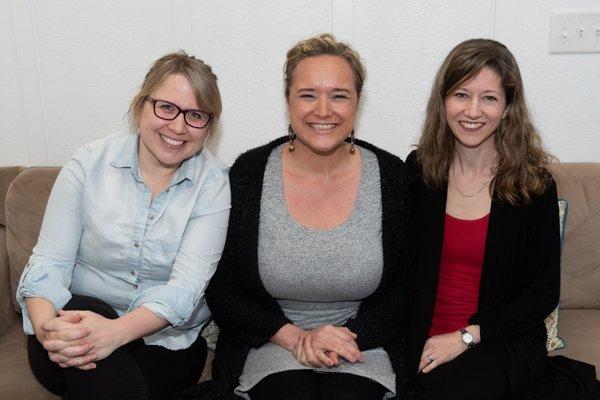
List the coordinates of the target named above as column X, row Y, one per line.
column 323, row 45
column 198, row 74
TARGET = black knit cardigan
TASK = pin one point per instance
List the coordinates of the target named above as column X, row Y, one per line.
column 248, row 316
column 520, row 278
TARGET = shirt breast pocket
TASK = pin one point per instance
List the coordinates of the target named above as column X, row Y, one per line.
column 161, row 255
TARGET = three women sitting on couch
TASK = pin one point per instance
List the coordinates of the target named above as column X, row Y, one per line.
column 312, row 292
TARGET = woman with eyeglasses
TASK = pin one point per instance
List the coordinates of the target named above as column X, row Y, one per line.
column 113, row 294
column 487, row 270
column 310, row 294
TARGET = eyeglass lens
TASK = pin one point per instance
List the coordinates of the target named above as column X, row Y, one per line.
column 168, row 111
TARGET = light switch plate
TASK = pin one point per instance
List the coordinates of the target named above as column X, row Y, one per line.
column 575, row 31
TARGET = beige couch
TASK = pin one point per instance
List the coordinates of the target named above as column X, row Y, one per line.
column 23, row 196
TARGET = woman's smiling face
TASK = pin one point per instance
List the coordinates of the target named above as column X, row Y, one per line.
column 165, row 143
column 475, row 109
column 322, row 103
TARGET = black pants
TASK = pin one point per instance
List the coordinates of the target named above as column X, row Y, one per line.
column 134, row 371
column 309, row 385
column 476, row 374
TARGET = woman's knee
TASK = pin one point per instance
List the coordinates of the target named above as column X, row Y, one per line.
column 287, row 385
column 471, row 376
column 349, row 387
column 88, row 303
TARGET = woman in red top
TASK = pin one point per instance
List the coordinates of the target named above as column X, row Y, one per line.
column 487, row 268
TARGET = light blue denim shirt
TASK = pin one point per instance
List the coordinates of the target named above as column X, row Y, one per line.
column 104, row 236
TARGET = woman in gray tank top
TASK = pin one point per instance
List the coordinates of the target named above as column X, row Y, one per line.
column 310, row 294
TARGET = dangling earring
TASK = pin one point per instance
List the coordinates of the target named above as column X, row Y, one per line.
column 291, row 138
column 352, row 149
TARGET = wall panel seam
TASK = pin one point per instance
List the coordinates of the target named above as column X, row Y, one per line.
column 30, row 83
column 39, row 82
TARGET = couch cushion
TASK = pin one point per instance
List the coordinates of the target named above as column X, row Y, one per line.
column 25, row 205
column 580, row 330
column 579, row 184
column 7, row 174
column 16, row 379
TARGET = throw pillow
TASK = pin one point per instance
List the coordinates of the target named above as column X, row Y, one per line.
column 554, row 342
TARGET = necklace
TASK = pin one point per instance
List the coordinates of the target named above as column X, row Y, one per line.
column 469, row 195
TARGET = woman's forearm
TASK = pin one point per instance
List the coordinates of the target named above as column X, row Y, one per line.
column 137, row 324
column 40, row 310
column 287, row 336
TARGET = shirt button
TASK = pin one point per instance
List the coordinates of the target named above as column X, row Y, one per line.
column 135, row 286
column 168, row 190
column 152, row 217
column 133, row 273
column 137, row 244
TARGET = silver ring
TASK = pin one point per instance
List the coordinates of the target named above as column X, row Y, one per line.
column 430, row 359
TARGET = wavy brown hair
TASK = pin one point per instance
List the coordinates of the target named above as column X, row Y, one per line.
column 522, row 170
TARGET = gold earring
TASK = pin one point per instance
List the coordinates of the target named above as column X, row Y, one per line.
column 352, row 149
column 291, row 138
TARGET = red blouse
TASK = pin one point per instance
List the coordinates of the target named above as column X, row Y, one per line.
column 460, row 272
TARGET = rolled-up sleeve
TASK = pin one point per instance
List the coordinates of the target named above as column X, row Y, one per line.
column 197, row 257
column 49, row 270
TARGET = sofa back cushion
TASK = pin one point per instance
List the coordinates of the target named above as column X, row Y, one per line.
column 25, row 205
column 579, row 184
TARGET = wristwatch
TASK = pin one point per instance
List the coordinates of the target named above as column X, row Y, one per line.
column 467, row 338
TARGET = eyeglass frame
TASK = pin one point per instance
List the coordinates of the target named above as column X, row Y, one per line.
column 179, row 111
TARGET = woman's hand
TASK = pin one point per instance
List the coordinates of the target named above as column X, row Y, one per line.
column 310, row 356
column 339, row 340
column 440, row 349
column 327, row 343
column 105, row 334
column 67, row 342
column 287, row 336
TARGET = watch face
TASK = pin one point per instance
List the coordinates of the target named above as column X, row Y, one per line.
column 467, row 338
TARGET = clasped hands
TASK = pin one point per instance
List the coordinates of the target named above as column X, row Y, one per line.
column 79, row 338
column 324, row 346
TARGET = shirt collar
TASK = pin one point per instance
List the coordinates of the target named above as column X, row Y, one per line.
column 187, row 170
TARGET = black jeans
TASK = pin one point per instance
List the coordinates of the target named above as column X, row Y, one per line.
column 310, row 385
column 476, row 374
column 134, row 371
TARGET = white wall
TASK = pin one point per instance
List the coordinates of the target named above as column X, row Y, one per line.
column 69, row 68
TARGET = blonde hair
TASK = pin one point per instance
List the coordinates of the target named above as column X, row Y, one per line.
column 522, row 162
column 198, row 74
column 323, row 45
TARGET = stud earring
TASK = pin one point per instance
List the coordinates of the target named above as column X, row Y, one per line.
column 291, row 138
column 352, row 149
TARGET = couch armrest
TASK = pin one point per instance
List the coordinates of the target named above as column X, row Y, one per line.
column 7, row 312
column 25, row 205
column 7, row 174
